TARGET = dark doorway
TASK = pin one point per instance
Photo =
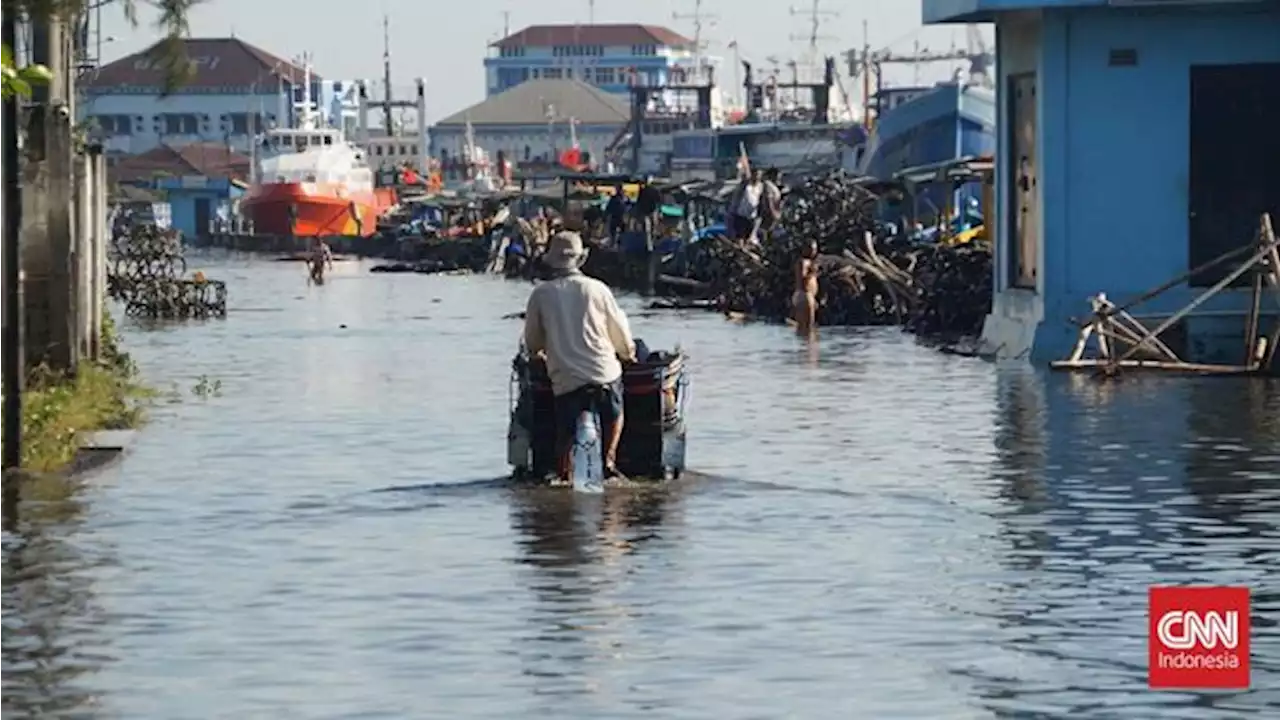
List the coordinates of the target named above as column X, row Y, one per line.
column 1022, row 197
column 203, row 216
column 1235, row 153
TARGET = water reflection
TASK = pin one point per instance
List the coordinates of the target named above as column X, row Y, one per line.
column 579, row 550
column 50, row 615
column 1111, row 487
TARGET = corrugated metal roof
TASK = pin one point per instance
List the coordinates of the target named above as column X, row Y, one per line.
column 530, row 102
column 219, row 63
column 204, row 159
column 628, row 34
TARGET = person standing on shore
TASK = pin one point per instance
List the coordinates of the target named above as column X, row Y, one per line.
column 771, row 202
column 576, row 322
column 745, row 207
column 616, row 213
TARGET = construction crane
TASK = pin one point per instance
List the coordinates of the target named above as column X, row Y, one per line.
column 867, row 64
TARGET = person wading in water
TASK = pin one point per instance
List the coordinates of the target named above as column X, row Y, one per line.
column 321, row 258
column 804, row 301
column 576, row 322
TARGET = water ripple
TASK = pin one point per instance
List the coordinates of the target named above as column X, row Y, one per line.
column 874, row 531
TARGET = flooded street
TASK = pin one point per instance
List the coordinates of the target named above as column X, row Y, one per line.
column 873, row 530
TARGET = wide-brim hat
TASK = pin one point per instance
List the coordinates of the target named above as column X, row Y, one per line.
column 565, row 251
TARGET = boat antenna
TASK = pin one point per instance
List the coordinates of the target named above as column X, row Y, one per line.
column 386, row 71
column 816, row 15
column 699, row 18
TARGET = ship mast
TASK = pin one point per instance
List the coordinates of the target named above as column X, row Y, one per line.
column 386, row 72
column 816, row 16
column 698, row 17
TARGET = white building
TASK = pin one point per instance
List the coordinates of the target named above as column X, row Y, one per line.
column 534, row 121
column 610, row 57
column 237, row 90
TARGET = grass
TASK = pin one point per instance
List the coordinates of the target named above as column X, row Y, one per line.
column 58, row 410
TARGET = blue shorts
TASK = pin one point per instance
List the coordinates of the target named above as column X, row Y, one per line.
column 605, row 400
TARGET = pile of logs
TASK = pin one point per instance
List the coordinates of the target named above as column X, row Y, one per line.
column 864, row 279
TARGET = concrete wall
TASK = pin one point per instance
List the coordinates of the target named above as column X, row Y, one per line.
column 1113, row 155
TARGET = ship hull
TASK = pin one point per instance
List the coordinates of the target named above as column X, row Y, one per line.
column 946, row 123
column 318, row 210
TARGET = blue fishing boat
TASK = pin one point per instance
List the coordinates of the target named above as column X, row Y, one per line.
column 947, row 122
column 714, row 153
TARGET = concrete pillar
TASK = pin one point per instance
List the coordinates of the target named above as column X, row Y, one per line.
column 82, row 253
column 36, row 262
column 48, row 217
column 101, row 238
column 61, row 353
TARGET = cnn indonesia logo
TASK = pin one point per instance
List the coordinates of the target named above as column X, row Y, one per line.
column 1198, row 637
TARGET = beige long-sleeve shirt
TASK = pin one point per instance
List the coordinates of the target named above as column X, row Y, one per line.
column 577, row 321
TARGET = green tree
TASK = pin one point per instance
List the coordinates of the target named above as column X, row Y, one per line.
column 171, row 22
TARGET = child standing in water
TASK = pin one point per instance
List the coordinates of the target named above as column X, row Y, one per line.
column 804, row 301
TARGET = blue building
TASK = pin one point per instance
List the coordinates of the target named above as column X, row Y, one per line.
column 199, row 181
column 606, row 56
column 1135, row 142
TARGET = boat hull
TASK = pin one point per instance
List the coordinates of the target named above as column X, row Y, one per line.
column 318, row 210
column 946, row 123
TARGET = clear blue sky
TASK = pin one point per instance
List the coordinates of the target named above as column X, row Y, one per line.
column 446, row 41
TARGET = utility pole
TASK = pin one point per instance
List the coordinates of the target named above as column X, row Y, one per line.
column 699, row 18
column 12, row 275
column 591, row 12
column 816, row 15
column 506, row 24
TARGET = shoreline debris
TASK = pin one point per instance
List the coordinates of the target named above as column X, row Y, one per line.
column 1119, row 338
column 146, row 275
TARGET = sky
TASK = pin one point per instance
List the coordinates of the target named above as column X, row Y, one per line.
column 446, row 42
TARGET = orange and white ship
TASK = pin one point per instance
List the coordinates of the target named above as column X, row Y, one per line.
column 310, row 181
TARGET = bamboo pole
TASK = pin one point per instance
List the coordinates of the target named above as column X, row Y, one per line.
column 1204, row 297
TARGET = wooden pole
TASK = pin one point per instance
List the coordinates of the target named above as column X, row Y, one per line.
column 1217, row 287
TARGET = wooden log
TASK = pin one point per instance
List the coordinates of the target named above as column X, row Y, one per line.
column 1152, row 365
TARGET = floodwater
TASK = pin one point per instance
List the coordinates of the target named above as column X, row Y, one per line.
column 874, row 530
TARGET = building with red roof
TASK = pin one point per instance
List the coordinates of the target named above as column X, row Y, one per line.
column 235, row 91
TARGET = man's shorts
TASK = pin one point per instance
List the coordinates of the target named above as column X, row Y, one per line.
column 605, row 400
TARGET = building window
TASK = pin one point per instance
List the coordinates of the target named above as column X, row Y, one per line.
column 552, row 73
column 644, row 50
column 377, row 150
column 605, row 76
column 246, row 123
column 114, row 124
column 413, row 149
column 179, row 124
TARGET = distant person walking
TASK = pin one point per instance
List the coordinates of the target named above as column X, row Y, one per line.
column 320, row 259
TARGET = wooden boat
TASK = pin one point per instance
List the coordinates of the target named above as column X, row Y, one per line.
column 653, row 433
